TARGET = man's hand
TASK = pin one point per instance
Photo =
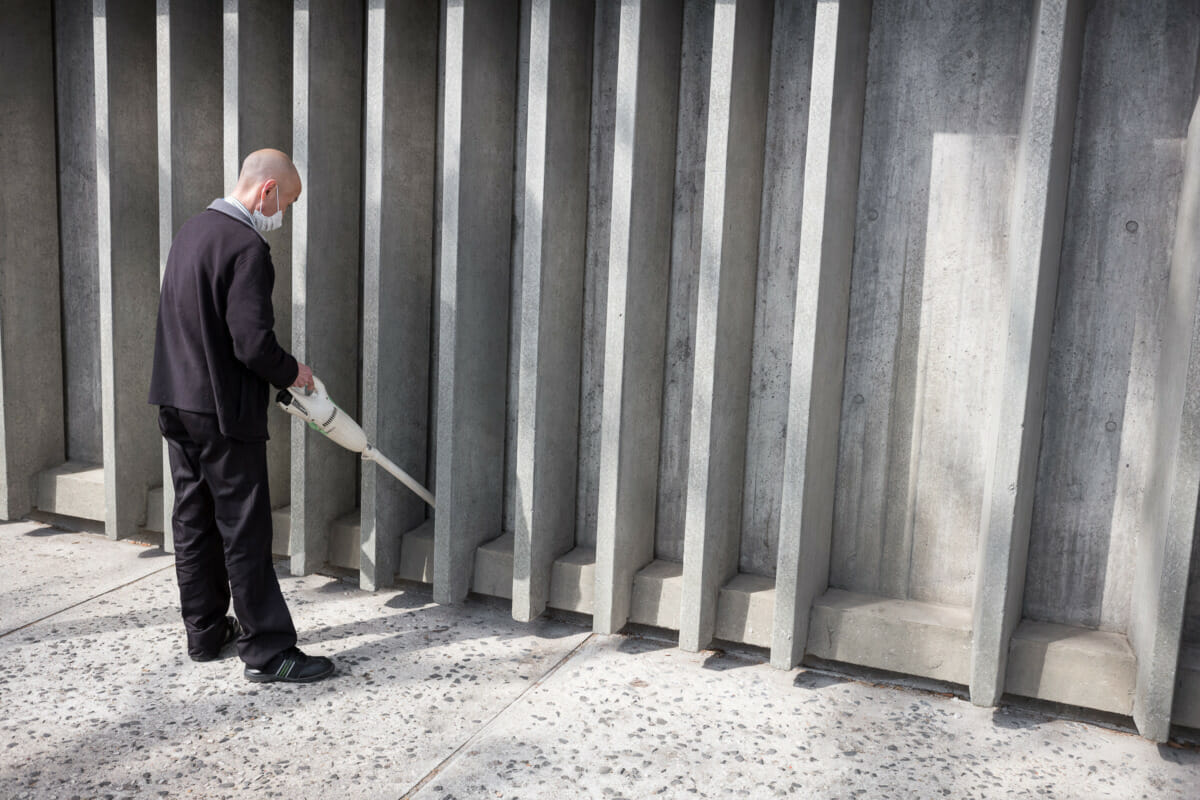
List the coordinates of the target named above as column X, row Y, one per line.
column 304, row 378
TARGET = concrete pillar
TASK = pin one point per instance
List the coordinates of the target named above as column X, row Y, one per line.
column 737, row 114
column 827, row 225
column 687, row 233
column 775, row 294
column 75, row 96
column 1165, row 542
column 635, row 328
column 190, row 138
column 32, row 435
column 128, row 239
column 398, row 194
column 1035, row 241
column 258, row 114
column 554, row 239
column 479, row 43
column 595, row 290
column 326, row 229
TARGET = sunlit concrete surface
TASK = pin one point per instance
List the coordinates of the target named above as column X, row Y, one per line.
column 463, row 702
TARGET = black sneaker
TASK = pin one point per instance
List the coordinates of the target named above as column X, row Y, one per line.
column 233, row 629
column 291, row 666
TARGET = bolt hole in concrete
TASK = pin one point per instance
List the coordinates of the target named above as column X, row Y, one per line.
column 1131, row 226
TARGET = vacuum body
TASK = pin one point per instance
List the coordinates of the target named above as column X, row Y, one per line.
column 324, row 416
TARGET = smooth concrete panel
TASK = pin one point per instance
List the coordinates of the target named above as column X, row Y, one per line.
column 493, row 571
column 1035, row 242
column 720, row 397
column 551, row 292
column 775, row 294
column 1096, row 455
column 606, row 30
column 1191, row 617
column 635, row 327
column 508, row 522
column 687, row 232
column 1187, row 689
column 281, row 531
column 191, row 137
column 326, row 235
column 258, row 114
column 917, row 638
column 73, row 489
column 32, row 434
column 124, row 47
column 478, row 98
column 516, row 285
column 1076, row 666
column 657, row 593
column 822, row 301
column 75, row 97
column 1165, row 537
column 416, row 555
column 573, row 581
column 943, row 108
column 399, row 175
column 158, row 515
column 746, row 610
column 344, row 541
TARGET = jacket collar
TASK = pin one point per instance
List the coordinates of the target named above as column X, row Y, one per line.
column 237, row 211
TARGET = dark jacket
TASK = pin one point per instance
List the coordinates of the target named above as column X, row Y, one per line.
column 215, row 349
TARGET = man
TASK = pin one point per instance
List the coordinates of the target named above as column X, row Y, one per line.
column 214, row 355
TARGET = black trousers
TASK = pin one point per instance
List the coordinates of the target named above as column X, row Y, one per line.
column 222, row 530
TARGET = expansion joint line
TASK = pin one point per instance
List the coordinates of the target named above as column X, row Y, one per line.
column 86, row 600
column 433, row 773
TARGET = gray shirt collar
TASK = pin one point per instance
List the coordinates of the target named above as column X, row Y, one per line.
column 232, row 208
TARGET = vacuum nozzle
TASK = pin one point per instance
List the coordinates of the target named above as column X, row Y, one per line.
column 324, row 416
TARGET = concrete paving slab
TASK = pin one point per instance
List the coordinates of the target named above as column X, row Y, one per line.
column 634, row 718
column 45, row 570
column 463, row 702
column 101, row 700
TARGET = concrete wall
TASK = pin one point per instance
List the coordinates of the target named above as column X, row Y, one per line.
column 943, row 108
column 1096, row 455
column 31, row 379
column 743, row 319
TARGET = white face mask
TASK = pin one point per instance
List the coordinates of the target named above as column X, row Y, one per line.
column 265, row 223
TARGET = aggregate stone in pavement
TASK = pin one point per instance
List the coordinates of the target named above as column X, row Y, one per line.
column 102, row 701
column 630, row 718
column 447, row 703
column 44, row 569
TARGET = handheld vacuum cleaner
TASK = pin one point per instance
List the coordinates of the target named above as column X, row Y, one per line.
column 323, row 415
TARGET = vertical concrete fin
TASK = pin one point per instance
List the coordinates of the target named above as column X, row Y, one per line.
column 1169, row 515
column 551, row 294
column 835, row 120
column 258, row 113
column 1037, row 211
column 165, row 226
column 32, row 436
column 635, row 327
column 190, row 138
column 399, row 175
column 379, row 551
column 478, row 97
column 737, row 113
column 125, row 44
column 230, row 154
column 326, row 230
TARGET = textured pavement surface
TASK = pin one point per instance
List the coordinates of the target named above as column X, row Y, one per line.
column 100, row 700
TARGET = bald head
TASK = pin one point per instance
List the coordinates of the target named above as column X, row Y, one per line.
column 268, row 178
